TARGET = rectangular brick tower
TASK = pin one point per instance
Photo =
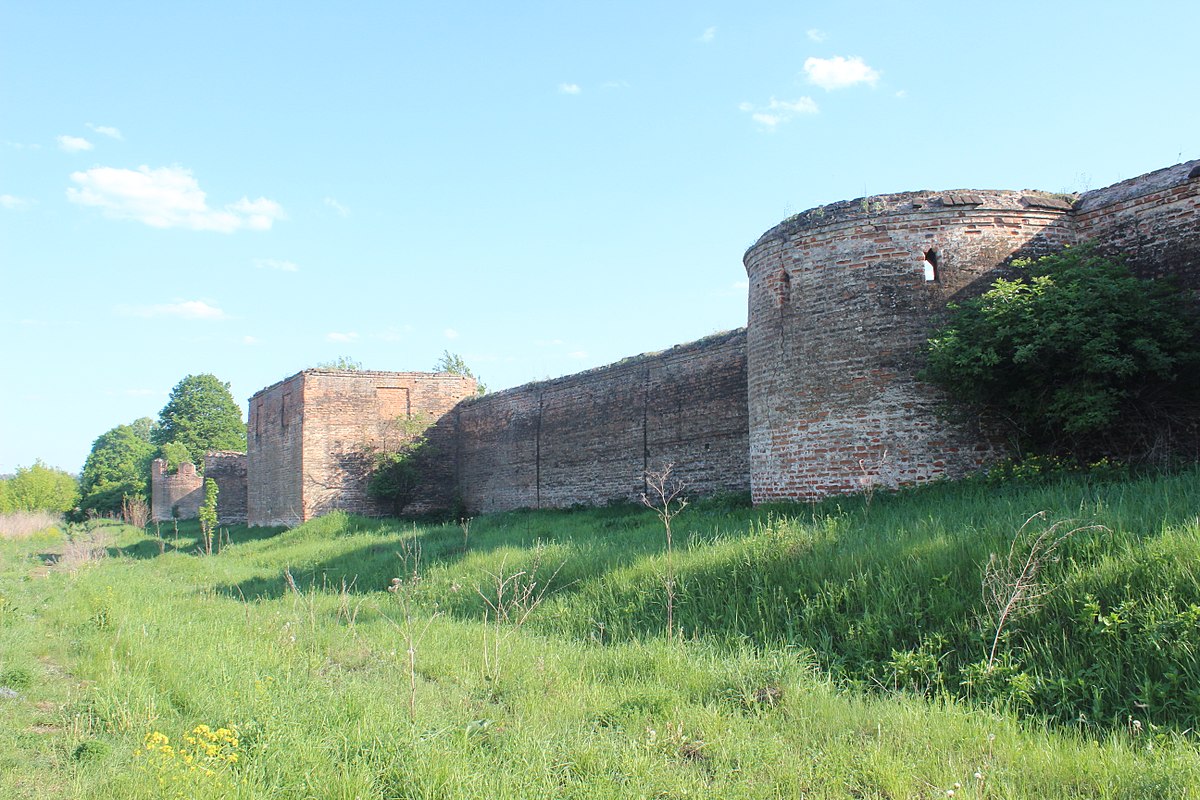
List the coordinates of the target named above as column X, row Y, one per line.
column 311, row 438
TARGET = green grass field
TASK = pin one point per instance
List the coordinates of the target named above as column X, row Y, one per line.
column 833, row 650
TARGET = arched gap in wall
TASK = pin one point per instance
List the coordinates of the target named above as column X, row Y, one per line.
column 930, row 264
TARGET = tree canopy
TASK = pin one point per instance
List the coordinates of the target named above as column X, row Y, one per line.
column 39, row 488
column 455, row 365
column 1069, row 349
column 118, row 467
column 201, row 415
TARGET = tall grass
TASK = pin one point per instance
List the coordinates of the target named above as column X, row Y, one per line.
column 18, row 524
column 787, row 612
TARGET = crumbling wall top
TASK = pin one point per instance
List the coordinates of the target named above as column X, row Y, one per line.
column 881, row 206
column 1155, row 181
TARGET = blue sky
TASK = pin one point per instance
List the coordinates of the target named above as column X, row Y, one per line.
column 248, row 189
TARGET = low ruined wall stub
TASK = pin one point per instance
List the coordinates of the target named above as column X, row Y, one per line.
column 175, row 495
column 228, row 469
column 589, row 438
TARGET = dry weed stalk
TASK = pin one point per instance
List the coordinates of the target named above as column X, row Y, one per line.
column 1012, row 585
column 405, row 588
column 135, row 511
column 516, row 597
column 663, row 496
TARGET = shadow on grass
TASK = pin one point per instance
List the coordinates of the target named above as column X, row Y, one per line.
column 186, row 538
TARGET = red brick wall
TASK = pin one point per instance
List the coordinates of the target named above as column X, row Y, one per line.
column 228, row 469
column 312, row 435
column 1152, row 220
column 175, row 495
column 590, row 437
column 839, row 309
column 274, row 458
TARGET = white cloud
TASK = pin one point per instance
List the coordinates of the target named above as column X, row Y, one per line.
column 708, row 36
column 184, row 309
column 73, row 144
column 251, row 340
column 615, row 85
column 816, row 35
column 393, row 334
column 335, row 336
column 903, row 93
column 167, row 197
column 338, row 207
column 275, row 264
column 106, row 130
column 450, row 333
column 569, row 88
column 13, row 203
column 839, row 72
column 741, row 286
column 143, row 392
column 577, row 354
column 777, row 112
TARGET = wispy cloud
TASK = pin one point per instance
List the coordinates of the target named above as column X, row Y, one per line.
column 13, row 203
column 450, row 333
column 577, row 354
column 251, row 340
column 776, row 112
column 73, row 144
column 839, row 72
column 338, row 207
column 569, row 88
column 816, row 35
column 903, row 93
column 393, row 334
column 106, row 130
column 709, row 35
column 336, row 336
column 275, row 264
column 184, row 309
column 167, row 197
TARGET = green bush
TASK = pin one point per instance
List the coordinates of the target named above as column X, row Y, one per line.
column 1069, row 349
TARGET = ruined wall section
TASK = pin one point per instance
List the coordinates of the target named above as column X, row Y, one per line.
column 1152, row 220
column 228, row 469
column 348, row 415
column 175, row 495
column 590, row 437
column 274, row 457
column 840, row 306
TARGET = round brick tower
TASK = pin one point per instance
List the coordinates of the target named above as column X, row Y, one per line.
column 842, row 298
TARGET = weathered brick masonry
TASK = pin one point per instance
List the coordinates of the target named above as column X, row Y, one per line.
column 1152, row 220
column 842, row 298
column 311, row 437
column 179, row 494
column 175, row 495
column 228, row 469
column 590, row 437
column 818, row 395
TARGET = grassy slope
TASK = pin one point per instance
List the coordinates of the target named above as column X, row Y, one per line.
column 785, row 611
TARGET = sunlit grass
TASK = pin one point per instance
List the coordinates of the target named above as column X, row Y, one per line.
column 819, row 656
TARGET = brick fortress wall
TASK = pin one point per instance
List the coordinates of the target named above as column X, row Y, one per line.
column 590, row 437
column 228, row 469
column 841, row 300
column 840, row 307
column 311, row 437
column 817, row 396
column 1152, row 220
column 175, row 495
